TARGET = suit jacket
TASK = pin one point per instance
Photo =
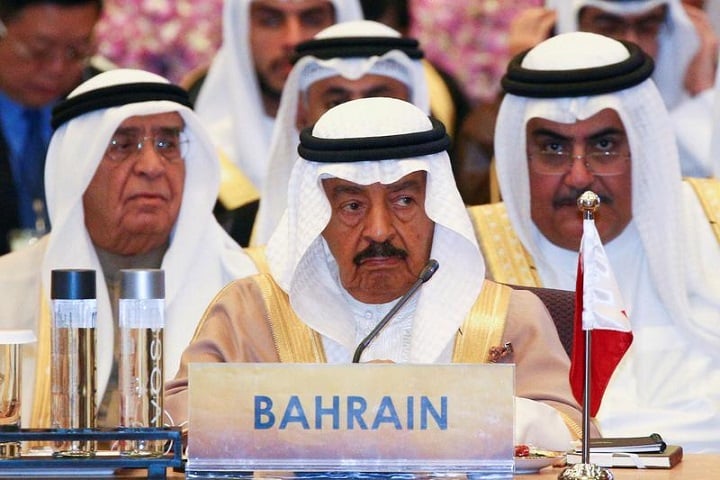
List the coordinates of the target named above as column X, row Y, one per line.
column 9, row 218
column 8, row 197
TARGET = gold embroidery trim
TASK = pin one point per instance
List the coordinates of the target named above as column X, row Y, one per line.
column 40, row 413
column 236, row 189
column 441, row 102
column 506, row 258
column 257, row 255
column 295, row 342
column 708, row 193
column 484, row 325
column 572, row 425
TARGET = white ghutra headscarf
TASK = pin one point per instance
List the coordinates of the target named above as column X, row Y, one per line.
column 678, row 40
column 349, row 63
column 230, row 102
column 297, row 253
column 201, row 257
column 658, row 206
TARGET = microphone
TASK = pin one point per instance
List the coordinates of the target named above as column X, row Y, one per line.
column 430, row 268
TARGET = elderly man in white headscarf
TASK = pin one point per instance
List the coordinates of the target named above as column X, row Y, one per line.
column 131, row 180
column 681, row 40
column 343, row 62
column 371, row 200
column 591, row 118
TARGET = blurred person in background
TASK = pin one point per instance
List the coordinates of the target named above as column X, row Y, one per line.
column 238, row 97
column 45, row 51
column 343, row 62
column 679, row 37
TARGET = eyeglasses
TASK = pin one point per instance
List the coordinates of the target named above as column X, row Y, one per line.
column 647, row 26
column 172, row 145
column 598, row 163
column 74, row 54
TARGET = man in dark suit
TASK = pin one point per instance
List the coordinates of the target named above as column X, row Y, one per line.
column 45, row 47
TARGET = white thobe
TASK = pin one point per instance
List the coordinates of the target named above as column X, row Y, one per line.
column 666, row 382
column 534, row 422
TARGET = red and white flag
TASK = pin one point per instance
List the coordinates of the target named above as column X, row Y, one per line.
column 598, row 307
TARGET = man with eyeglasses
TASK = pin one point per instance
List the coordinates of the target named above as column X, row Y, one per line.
column 679, row 37
column 581, row 113
column 45, row 46
column 132, row 178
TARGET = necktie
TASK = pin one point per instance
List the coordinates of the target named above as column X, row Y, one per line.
column 32, row 161
column 8, row 197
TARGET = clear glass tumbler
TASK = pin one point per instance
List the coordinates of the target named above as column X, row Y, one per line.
column 11, row 342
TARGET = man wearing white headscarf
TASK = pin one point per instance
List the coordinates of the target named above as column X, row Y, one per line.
column 116, row 200
column 351, row 60
column 582, row 96
column 239, row 97
column 715, row 133
column 371, row 200
column 681, row 40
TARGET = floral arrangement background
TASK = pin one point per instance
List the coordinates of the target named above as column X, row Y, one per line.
column 168, row 37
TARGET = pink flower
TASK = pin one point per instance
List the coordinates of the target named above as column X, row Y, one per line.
column 468, row 39
column 168, row 37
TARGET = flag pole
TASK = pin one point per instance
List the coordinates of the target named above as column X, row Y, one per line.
column 588, row 203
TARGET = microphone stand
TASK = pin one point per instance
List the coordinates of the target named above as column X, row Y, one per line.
column 427, row 272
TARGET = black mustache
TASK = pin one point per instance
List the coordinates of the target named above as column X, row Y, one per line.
column 570, row 200
column 376, row 249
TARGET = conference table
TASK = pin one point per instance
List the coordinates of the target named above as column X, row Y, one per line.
column 693, row 466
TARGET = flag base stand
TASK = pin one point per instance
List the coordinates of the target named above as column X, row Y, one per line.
column 585, row 471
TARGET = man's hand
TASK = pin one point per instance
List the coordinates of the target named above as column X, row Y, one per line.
column 530, row 27
column 700, row 75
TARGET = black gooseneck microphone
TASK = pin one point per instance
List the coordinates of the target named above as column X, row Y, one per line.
column 430, row 268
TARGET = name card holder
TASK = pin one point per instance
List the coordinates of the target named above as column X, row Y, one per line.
column 350, row 418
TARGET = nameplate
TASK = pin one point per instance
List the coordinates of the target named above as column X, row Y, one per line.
column 365, row 417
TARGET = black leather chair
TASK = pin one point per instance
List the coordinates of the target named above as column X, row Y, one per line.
column 561, row 305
